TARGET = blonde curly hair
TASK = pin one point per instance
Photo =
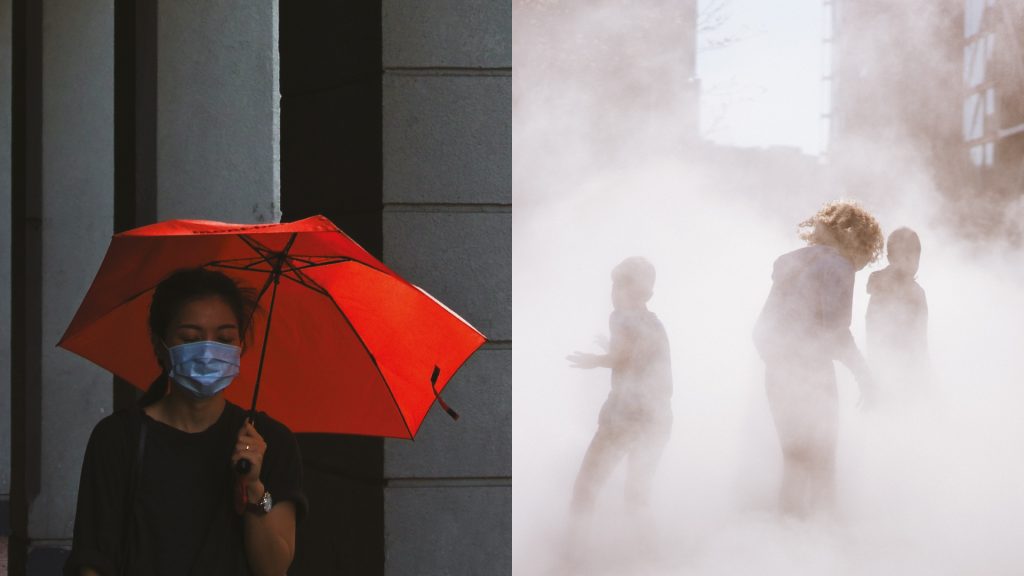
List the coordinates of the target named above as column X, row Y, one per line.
column 847, row 227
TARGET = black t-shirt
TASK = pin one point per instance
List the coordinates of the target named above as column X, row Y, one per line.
column 181, row 517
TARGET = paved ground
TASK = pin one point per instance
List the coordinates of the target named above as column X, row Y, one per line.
column 3, row 556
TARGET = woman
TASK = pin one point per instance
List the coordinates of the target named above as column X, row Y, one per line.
column 803, row 328
column 158, row 493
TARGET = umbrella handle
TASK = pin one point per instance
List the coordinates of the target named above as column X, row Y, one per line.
column 243, row 466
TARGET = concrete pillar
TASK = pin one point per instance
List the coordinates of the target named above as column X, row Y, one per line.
column 77, row 203
column 218, row 111
column 448, row 227
column 5, row 263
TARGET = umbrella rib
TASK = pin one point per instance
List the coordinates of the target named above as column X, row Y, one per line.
column 375, row 365
column 304, row 280
column 336, row 260
column 316, row 287
column 261, row 250
column 301, row 279
column 280, row 259
column 248, row 268
column 256, row 261
column 235, row 260
column 305, row 259
column 108, row 312
column 257, row 247
column 266, row 284
column 267, row 254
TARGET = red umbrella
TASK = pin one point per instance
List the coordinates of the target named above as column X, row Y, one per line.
column 354, row 348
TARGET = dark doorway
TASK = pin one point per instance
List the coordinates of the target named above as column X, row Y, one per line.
column 331, row 164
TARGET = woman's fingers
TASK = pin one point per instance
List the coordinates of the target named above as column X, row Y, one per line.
column 248, row 435
column 250, row 446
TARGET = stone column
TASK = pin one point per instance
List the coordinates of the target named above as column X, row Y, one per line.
column 218, row 111
column 77, row 207
column 448, row 227
column 5, row 264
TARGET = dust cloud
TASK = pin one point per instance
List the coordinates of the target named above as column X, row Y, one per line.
column 602, row 173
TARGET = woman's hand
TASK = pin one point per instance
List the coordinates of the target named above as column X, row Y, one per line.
column 250, row 446
column 269, row 536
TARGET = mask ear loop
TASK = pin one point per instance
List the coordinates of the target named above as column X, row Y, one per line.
column 166, row 364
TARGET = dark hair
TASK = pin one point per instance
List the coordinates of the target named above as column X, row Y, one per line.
column 904, row 239
column 185, row 285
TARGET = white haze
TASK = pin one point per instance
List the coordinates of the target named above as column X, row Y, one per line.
column 930, row 490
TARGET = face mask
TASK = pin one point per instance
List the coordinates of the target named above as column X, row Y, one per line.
column 204, row 368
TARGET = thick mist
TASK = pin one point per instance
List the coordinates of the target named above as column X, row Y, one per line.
column 930, row 488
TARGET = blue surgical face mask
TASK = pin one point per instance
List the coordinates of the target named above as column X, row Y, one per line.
column 204, row 368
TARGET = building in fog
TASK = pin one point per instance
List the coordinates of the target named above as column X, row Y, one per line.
column 993, row 109
column 625, row 74
column 893, row 71
column 929, row 95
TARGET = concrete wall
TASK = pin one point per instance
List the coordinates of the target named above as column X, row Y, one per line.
column 448, row 228
column 218, row 111
column 5, row 254
column 78, row 181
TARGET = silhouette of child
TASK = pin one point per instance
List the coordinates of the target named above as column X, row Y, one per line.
column 897, row 320
column 803, row 328
column 636, row 419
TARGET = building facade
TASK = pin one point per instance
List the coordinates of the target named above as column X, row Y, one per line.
column 926, row 95
column 993, row 113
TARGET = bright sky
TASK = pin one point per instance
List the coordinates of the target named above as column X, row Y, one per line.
column 765, row 88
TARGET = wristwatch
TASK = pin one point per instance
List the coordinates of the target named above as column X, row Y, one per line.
column 263, row 505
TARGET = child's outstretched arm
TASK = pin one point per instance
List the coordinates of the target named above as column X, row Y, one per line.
column 586, row 360
column 619, row 347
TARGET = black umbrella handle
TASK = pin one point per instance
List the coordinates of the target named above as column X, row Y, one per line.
column 243, row 466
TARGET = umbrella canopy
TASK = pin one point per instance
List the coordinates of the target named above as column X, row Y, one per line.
column 352, row 349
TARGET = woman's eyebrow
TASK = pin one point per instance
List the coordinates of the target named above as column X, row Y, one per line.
column 189, row 327
column 198, row 327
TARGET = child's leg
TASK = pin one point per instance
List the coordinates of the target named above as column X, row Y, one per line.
column 644, row 455
column 604, row 452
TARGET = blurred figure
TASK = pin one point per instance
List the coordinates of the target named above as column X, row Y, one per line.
column 803, row 328
column 636, row 419
column 897, row 321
